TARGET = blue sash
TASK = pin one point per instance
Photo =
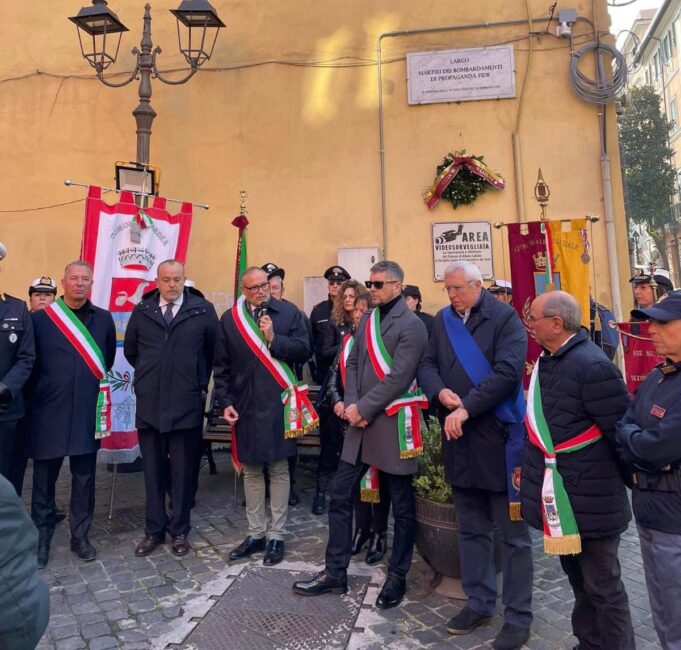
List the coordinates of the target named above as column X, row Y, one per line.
column 511, row 411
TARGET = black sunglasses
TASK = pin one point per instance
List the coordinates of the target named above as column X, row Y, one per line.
column 378, row 283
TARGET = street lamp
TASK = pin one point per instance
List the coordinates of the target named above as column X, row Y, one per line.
column 197, row 30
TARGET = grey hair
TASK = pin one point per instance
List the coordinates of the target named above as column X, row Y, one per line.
column 393, row 269
column 170, row 261
column 562, row 304
column 250, row 269
column 87, row 265
column 470, row 271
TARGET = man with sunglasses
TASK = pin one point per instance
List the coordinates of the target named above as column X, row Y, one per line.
column 472, row 373
column 258, row 341
column 380, row 369
column 649, row 441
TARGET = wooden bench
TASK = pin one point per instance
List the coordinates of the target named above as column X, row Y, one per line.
column 217, row 430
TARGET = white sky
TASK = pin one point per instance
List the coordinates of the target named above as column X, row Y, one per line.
column 623, row 17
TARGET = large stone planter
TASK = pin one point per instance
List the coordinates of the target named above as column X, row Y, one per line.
column 437, row 543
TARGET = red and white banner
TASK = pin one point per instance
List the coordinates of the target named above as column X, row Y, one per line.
column 639, row 353
column 123, row 271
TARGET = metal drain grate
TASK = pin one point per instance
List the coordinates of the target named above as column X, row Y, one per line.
column 261, row 612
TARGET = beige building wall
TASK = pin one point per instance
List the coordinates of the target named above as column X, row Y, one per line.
column 287, row 109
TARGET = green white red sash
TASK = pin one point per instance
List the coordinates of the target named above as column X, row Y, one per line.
column 561, row 535
column 406, row 407
column 77, row 334
column 299, row 414
column 369, row 487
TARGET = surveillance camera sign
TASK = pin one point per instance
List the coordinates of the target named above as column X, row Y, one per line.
column 469, row 241
column 461, row 75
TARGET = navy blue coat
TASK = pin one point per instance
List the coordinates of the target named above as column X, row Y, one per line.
column 17, row 353
column 243, row 382
column 581, row 387
column 649, row 435
column 62, row 391
column 172, row 364
column 477, row 459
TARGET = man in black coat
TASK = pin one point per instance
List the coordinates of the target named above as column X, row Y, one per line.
column 255, row 337
column 62, row 420
column 475, row 448
column 582, row 397
column 169, row 342
column 17, row 355
column 649, row 441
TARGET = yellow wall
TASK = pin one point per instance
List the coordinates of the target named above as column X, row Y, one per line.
column 301, row 139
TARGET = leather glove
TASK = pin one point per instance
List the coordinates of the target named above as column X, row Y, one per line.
column 5, row 398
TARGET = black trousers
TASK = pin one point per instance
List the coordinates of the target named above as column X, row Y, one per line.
column 168, row 457
column 12, row 462
column 601, row 616
column 344, row 487
column 82, row 508
column 330, row 441
column 374, row 516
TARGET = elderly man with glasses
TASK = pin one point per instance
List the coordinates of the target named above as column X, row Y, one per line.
column 258, row 341
column 471, row 373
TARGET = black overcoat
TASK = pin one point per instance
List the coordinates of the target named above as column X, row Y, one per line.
column 477, row 459
column 17, row 353
column 172, row 363
column 62, row 391
column 243, row 382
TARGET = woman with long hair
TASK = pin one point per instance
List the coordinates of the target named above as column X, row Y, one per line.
column 330, row 434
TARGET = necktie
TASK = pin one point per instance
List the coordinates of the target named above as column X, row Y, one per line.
column 168, row 313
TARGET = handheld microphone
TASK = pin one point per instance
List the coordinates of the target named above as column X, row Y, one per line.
column 261, row 310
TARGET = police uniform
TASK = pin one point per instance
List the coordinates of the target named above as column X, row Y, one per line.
column 413, row 291
column 649, row 440
column 319, row 318
column 17, row 355
column 660, row 281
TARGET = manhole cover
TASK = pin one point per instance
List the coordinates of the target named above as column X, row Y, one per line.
column 123, row 520
column 260, row 611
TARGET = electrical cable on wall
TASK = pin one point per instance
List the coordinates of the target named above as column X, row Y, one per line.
column 594, row 91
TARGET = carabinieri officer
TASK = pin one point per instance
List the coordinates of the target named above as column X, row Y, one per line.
column 649, row 439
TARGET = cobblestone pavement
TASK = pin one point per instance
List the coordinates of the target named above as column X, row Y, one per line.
column 120, row 601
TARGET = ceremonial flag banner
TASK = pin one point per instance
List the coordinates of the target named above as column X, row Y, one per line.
column 639, row 353
column 123, row 271
column 545, row 256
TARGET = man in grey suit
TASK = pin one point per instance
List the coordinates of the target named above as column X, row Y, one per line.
column 381, row 368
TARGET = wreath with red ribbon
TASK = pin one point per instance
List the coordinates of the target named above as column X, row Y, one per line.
column 461, row 179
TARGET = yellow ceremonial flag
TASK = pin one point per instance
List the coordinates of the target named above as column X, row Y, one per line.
column 571, row 261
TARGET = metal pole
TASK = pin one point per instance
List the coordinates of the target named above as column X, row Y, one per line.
column 144, row 114
column 113, row 490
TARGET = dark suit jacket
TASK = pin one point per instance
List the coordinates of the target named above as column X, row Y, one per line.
column 405, row 338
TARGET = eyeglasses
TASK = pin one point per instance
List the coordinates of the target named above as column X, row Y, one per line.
column 258, row 287
column 532, row 319
column 337, row 282
column 378, row 283
column 450, row 288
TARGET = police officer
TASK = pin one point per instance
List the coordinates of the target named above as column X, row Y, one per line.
column 412, row 296
column 320, row 315
column 649, row 287
column 17, row 354
column 502, row 290
column 649, row 440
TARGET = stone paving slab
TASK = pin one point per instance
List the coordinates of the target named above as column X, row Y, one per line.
column 121, row 601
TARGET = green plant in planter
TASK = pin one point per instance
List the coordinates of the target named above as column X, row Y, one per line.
column 429, row 482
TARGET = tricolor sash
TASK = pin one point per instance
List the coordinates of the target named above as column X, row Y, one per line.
column 561, row 536
column 299, row 414
column 511, row 411
column 405, row 407
column 77, row 335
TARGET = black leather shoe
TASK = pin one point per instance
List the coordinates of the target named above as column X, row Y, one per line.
column 274, row 553
column 466, row 621
column 376, row 550
column 180, row 545
column 44, row 540
column 359, row 539
column 321, row 583
column 293, row 498
column 59, row 516
column 392, row 592
column 148, row 544
column 83, row 549
column 319, row 503
column 247, row 547
column 511, row 637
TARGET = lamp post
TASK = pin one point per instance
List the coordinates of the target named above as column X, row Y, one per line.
column 198, row 26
